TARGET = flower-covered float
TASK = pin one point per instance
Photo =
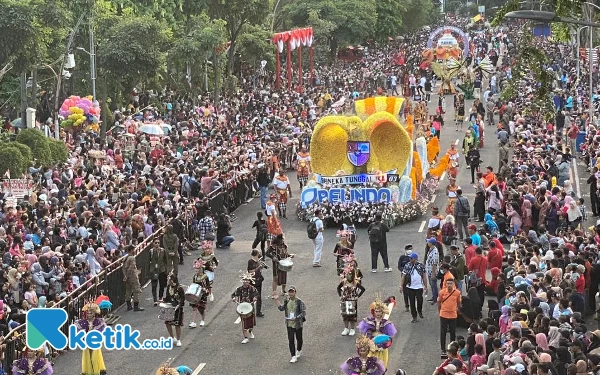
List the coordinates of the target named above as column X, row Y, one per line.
column 365, row 164
column 80, row 114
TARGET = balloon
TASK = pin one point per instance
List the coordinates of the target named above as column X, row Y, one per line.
column 94, row 119
column 96, row 104
column 64, row 113
column 73, row 117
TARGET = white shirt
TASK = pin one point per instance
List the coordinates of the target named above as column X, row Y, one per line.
column 416, row 281
column 319, row 225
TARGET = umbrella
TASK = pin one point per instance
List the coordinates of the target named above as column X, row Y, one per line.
column 17, row 123
column 152, row 129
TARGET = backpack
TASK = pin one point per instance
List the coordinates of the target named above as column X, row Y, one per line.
column 375, row 233
column 311, row 229
column 448, row 233
column 473, row 279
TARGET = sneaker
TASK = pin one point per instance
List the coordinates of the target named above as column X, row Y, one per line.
column 421, row 316
column 245, row 341
column 414, row 320
column 178, row 343
column 251, row 335
column 406, row 309
column 192, row 325
column 387, row 270
column 298, row 353
column 374, row 271
column 345, row 332
column 201, row 323
column 155, row 303
column 316, row 265
column 352, row 332
column 294, row 359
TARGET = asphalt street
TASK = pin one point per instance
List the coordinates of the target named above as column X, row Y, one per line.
column 217, row 349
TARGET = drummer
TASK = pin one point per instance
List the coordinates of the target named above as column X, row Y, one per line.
column 248, row 294
column 201, row 279
column 277, row 252
column 210, row 266
column 175, row 296
column 350, row 289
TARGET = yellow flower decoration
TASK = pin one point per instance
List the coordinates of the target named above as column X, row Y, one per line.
column 375, row 122
column 413, row 177
column 417, row 164
column 441, row 167
column 433, row 149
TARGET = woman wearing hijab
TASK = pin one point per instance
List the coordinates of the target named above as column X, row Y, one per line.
column 470, row 310
column 504, row 321
column 563, row 360
column 542, row 341
column 554, row 337
column 573, row 215
column 491, row 224
column 92, row 263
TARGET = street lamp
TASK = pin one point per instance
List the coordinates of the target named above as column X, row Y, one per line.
column 547, row 17
column 92, row 70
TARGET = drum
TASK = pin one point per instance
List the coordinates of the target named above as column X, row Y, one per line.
column 245, row 310
column 348, row 307
column 285, row 265
column 210, row 275
column 193, row 294
column 167, row 312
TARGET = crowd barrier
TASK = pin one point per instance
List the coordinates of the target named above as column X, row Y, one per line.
column 109, row 282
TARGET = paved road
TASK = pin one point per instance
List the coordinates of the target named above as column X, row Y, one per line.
column 218, row 345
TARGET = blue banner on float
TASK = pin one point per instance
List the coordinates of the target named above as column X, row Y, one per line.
column 340, row 195
column 357, row 179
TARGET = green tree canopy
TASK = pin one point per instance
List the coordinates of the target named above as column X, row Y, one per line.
column 38, row 143
column 12, row 160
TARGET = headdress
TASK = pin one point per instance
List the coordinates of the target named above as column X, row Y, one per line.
column 199, row 263
column 342, row 233
column 166, row 369
column 206, row 245
column 378, row 305
column 91, row 306
column 363, row 342
column 349, row 258
column 245, row 276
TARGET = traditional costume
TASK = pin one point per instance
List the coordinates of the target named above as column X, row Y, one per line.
column 278, row 251
column 246, row 293
column 342, row 248
column 376, row 325
column 349, row 290
column 454, row 162
column 451, row 194
column 92, row 362
column 282, row 184
column 175, row 295
column 210, row 265
column 303, row 168
column 33, row 363
column 363, row 364
column 201, row 279
column 273, row 224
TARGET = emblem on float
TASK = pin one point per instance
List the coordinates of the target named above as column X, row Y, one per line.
column 358, row 152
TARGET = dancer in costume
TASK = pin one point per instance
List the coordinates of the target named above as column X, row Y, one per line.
column 278, row 251
column 211, row 263
column 201, row 279
column 33, row 363
column 451, row 194
column 342, row 248
column 248, row 294
column 452, row 152
column 166, row 369
column 377, row 325
column 92, row 362
column 273, row 223
column 349, row 290
column 283, row 189
column 176, row 297
column 363, row 364
column 303, row 169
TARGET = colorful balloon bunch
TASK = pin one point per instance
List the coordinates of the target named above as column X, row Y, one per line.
column 76, row 111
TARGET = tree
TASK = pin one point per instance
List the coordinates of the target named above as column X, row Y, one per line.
column 237, row 14
column 336, row 23
column 132, row 51
column 12, row 160
column 418, row 14
column 388, row 23
column 58, row 151
column 38, row 143
column 255, row 44
column 20, row 34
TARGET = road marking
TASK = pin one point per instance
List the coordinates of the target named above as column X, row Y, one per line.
column 456, row 143
column 238, row 320
column 198, row 369
column 443, row 175
column 422, row 226
column 433, row 198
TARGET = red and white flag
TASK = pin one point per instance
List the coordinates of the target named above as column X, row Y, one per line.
column 7, row 173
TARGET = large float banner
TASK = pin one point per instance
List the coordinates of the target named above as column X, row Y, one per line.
column 340, row 195
column 357, row 179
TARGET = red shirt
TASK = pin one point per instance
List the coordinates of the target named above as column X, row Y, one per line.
column 580, row 284
column 469, row 254
column 494, row 258
column 479, row 264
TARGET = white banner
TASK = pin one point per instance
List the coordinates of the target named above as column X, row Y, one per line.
column 356, row 179
column 18, row 188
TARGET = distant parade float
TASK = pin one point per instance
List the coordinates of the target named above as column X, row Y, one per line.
column 364, row 164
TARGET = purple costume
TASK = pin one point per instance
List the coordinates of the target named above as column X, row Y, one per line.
column 84, row 325
column 370, row 328
column 370, row 366
column 40, row 366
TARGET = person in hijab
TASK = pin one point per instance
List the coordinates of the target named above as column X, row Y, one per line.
column 542, row 341
column 573, row 214
column 101, row 257
column 93, row 265
column 504, row 321
column 470, row 310
column 554, row 337
column 491, row 224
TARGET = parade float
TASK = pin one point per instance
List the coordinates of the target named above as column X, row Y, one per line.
column 366, row 164
column 80, row 114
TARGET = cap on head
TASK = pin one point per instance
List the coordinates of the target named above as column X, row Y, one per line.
column 431, row 240
column 414, row 256
column 291, row 287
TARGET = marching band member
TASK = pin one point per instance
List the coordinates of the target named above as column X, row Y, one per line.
column 176, row 297
column 201, row 279
column 342, row 248
column 278, row 251
column 363, row 364
column 246, row 293
column 33, row 362
column 303, row 170
column 273, row 224
column 92, row 362
column 377, row 325
column 283, row 189
column 255, row 266
column 211, row 263
column 349, row 290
